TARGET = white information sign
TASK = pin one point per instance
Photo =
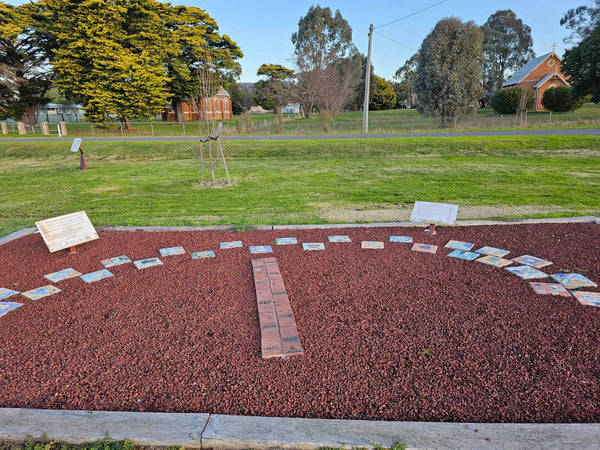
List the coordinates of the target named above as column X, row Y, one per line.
column 66, row 231
column 437, row 213
column 76, row 144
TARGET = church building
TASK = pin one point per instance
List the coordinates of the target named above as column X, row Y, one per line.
column 539, row 74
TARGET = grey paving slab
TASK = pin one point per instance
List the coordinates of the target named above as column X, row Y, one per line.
column 76, row 427
column 237, row 432
column 17, row 234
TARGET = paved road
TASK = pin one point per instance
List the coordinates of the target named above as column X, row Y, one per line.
column 558, row 132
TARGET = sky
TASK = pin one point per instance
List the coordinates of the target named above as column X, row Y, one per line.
column 263, row 28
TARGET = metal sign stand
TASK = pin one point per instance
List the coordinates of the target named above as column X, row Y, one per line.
column 431, row 230
column 76, row 146
column 81, row 160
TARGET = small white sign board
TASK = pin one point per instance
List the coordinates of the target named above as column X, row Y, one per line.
column 66, row 231
column 438, row 213
column 76, row 144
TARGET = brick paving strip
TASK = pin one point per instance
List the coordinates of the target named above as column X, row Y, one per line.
column 278, row 332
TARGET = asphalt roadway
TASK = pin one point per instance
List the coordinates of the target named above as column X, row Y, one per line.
column 557, row 132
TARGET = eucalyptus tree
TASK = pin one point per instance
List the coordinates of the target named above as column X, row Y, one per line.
column 328, row 64
column 507, row 46
column 448, row 80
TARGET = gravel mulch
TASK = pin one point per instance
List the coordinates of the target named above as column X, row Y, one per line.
column 387, row 334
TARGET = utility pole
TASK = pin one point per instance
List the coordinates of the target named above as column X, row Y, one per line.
column 367, row 83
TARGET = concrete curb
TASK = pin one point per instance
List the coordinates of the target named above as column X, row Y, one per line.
column 459, row 223
column 192, row 430
column 17, row 234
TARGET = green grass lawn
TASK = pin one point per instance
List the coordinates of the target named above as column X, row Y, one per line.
column 284, row 182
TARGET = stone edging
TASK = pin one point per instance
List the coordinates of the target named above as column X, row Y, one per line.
column 201, row 430
column 459, row 223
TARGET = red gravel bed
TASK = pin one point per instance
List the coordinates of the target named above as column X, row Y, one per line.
column 387, row 334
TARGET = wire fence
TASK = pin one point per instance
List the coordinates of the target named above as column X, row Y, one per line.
column 295, row 126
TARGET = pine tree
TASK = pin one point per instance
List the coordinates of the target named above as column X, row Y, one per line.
column 196, row 35
column 25, row 52
column 111, row 56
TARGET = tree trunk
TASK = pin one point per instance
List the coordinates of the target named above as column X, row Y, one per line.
column 306, row 110
column 28, row 117
column 278, row 109
column 178, row 108
column 125, row 124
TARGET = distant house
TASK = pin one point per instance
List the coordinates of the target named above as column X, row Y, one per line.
column 292, row 108
column 213, row 108
column 58, row 112
column 539, row 74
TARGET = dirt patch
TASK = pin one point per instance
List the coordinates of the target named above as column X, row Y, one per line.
column 388, row 334
column 106, row 188
column 387, row 213
column 193, row 219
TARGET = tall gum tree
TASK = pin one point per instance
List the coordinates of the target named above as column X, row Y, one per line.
column 328, row 64
column 507, row 46
column 449, row 79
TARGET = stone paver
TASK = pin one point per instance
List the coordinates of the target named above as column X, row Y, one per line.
column 278, row 331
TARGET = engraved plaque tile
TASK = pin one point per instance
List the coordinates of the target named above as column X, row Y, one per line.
column 458, row 245
column 461, row 254
column 527, row 272
column 5, row 307
column 66, row 231
column 407, row 239
column 587, row 298
column 5, row 293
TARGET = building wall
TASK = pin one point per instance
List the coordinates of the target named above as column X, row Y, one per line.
column 537, row 74
column 218, row 108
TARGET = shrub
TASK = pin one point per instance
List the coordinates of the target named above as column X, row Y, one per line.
column 506, row 101
column 560, row 99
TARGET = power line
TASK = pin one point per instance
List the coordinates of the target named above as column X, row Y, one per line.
column 393, row 40
column 413, row 14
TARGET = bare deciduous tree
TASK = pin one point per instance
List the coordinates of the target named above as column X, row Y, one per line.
column 209, row 83
column 328, row 64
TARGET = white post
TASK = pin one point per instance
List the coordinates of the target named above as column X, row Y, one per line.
column 183, row 124
column 152, row 128
column 501, row 117
column 58, row 128
column 367, row 83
